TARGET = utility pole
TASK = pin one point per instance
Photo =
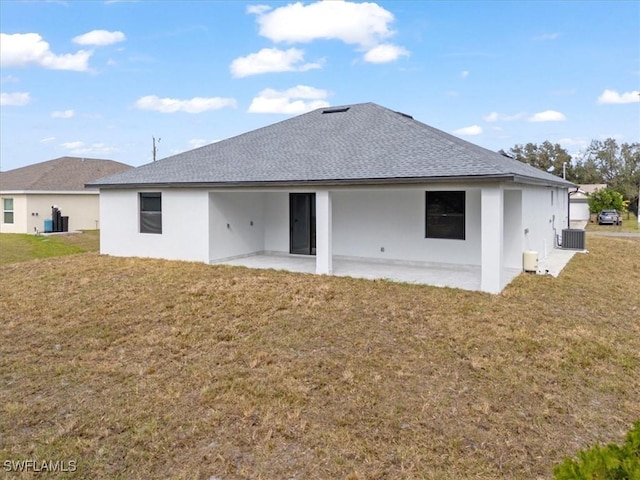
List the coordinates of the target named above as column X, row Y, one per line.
column 155, row 149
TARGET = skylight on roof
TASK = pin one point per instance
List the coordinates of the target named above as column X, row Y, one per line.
column 335, row 110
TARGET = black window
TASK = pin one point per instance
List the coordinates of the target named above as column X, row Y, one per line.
column 445, row 215
column 151, row 212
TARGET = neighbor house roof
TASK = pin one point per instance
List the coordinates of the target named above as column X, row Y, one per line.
column 583, row 191
column 362, row 143
column 60, row 174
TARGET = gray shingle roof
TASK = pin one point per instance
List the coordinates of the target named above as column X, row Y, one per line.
column 60, row 174
column 366, row 143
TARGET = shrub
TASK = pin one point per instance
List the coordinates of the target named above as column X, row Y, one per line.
column 609, row 462
column 605, row 199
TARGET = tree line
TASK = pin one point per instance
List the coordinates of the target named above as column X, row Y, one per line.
column 604, row 161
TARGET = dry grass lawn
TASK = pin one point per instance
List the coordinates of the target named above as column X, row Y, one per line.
column 143, row 369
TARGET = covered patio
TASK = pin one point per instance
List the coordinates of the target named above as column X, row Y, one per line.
column 466, row 277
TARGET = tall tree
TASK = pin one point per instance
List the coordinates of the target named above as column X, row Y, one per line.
column 586, row 170
column 617, row 165
column 546, row 156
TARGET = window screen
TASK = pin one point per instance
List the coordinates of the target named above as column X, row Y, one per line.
column 445, row 215
column 151, row 212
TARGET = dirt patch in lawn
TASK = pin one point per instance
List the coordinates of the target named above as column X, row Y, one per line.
column 155, row 369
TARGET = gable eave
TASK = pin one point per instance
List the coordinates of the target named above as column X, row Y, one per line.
column 474, row 179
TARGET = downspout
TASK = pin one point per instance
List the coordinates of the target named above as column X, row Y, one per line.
column 569, row 206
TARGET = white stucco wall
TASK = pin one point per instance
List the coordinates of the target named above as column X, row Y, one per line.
column 513, row 233
column 276, row 216
column 367, row 221
column 364, row 221
column 185, row 225
column 541, row 220
column 19, row 224
column 32, row 209
column 236, row 224
column 83, row 210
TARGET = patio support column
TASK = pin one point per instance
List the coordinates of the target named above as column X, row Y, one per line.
column 492, row 248
column 324, row 255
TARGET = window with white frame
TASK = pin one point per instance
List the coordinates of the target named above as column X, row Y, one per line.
column 150, row 212
column 7, row 210
column 445, row 215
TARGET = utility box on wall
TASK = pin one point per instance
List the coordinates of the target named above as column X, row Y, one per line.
column 530, row 261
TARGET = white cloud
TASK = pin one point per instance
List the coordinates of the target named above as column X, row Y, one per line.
column 271, row 60
column 258, row 9
column 502, row 117
column 193, row 105
column 548, row 116
column 363, row 24
column 464, row 74
column 99, row 38
column 47, row 140
column 578, row 145
column 15, row 99
column 23, row 49
column 572, row 142
column 385, row 53
column 612, row 96
column 63, row 114
column 293, row 101
column 472, row 130
column 366, row 25
column 81, row 148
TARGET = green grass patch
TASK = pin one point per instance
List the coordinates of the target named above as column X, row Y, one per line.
column 610, row 462
column 17, row 247
column 629, row 225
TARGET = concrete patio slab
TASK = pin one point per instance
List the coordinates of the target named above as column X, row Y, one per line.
column 466, row 277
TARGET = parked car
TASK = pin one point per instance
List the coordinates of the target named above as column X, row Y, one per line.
column 609, row 217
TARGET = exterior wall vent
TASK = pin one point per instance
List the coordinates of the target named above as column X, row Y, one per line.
column 336, row 110
column 405, row 115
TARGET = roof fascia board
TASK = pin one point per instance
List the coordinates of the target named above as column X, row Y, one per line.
column 297, row 183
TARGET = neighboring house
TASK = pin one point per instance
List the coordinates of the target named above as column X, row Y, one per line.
column 357, row 183
column 28, row 193
column 578, row 201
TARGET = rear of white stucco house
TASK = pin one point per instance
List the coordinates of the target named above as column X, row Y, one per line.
column 358, row 183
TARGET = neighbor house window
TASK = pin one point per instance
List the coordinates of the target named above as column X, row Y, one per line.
column 445, row 215
column 151, row 212
column 7, row 210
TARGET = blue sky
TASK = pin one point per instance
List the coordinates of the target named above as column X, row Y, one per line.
column 101, row 78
